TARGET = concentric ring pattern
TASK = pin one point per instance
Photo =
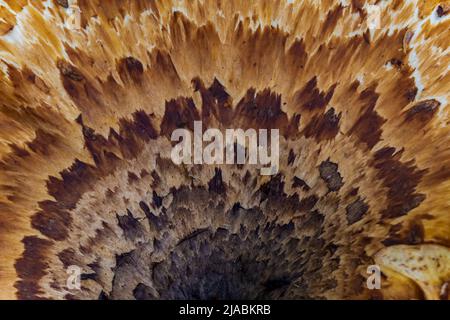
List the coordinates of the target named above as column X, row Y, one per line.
column 92, row 90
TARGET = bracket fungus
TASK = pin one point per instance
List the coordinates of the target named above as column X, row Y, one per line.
column 91, row 92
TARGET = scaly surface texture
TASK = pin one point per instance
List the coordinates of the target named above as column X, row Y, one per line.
column 86, row 179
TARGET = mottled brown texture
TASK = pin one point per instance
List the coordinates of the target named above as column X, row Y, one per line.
column 86, row 177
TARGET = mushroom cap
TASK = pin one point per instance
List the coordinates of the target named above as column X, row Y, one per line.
column 91, row 93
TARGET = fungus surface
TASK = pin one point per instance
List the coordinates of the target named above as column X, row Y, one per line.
column 92, row 92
